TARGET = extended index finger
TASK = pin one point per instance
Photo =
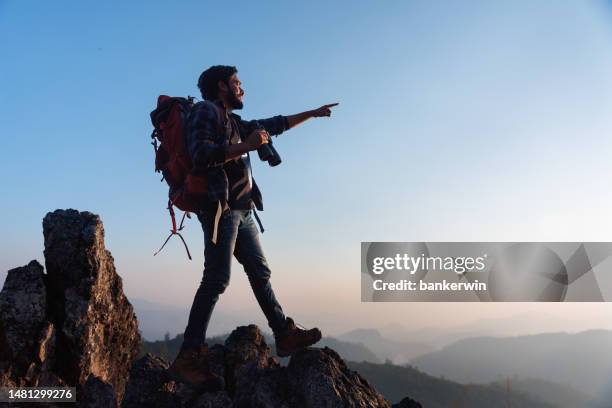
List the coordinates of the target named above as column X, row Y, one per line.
column 331, row 105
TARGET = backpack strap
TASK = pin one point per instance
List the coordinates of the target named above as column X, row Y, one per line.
column 174, row 230
column 218, row 214
column 221, row 114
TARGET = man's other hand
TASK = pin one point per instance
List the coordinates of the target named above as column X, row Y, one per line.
column 324, row 110
column 257, row 138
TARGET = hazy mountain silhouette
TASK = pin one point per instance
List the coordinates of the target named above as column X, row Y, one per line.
column 395, row 381
column 385, row 349
column 604, row 397
column 561, row 396
column 518, row 325
column 157, row 319
column 582, row 360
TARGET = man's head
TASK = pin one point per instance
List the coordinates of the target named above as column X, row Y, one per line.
column 222, row 82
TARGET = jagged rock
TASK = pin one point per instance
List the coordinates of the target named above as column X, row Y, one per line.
column 27, row 339
column 97, row 394
column 218, row 399
column 319, row 377
column 265, row 388
column 314, row 378
column 254, row 376
column 149, row 386
column 246, row 344
column 216, row 360
column 407, row 403
column 98, row 330
column 23, row 304
column 72, row 326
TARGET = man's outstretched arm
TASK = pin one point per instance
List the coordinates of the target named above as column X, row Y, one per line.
column 298, row 118
column 278, row 124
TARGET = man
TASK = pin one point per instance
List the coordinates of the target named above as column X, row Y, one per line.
column 219, row 142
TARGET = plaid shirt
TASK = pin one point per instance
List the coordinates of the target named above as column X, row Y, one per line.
column 208, row 139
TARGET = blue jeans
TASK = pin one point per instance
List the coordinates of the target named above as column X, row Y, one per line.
column 237, row 235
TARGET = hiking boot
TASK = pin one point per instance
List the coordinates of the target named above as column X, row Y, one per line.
column 191, row 368
column 293, row 339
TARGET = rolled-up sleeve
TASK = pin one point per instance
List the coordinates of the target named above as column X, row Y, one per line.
column 275, row 125
column 205, row 145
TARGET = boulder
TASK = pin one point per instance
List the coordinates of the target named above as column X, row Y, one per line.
column 319, row 377
column 96, row 394
column 72, row 326
column 26, row 337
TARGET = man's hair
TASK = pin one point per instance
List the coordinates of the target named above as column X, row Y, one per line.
column 208, row 81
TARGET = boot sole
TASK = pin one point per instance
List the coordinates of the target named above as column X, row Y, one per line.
column 287, row 353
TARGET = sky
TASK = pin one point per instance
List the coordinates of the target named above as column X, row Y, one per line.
column 470, row 121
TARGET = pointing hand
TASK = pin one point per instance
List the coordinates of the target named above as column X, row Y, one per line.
column 324, row 110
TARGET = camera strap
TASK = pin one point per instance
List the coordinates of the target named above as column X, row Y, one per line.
column 261, row 228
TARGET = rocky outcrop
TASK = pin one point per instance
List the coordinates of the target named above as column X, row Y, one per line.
column 407, row 403
column 253, row 378
column 27, row 338
column 97, row 393
column 321, row 376
column 73, row 325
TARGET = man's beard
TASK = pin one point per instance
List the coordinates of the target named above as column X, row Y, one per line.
column 234, row 102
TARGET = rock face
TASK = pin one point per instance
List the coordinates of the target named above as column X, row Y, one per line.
column 253, row 378
column 27, row 338
column 73, row 325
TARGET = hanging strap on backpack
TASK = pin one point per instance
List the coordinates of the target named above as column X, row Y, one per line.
column 174, row 230
column 218, row 213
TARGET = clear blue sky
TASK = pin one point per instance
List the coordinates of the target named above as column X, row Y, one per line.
column 471, row 120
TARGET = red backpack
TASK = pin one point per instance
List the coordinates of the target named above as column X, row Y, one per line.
column 172, row 159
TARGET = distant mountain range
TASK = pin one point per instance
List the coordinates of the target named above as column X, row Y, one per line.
column 395, row 381
column 582, row 360
column 560, row 396
column 395, row 351
column 156, row 320
column 517, row 325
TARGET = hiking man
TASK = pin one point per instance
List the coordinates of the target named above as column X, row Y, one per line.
column 219, row 142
